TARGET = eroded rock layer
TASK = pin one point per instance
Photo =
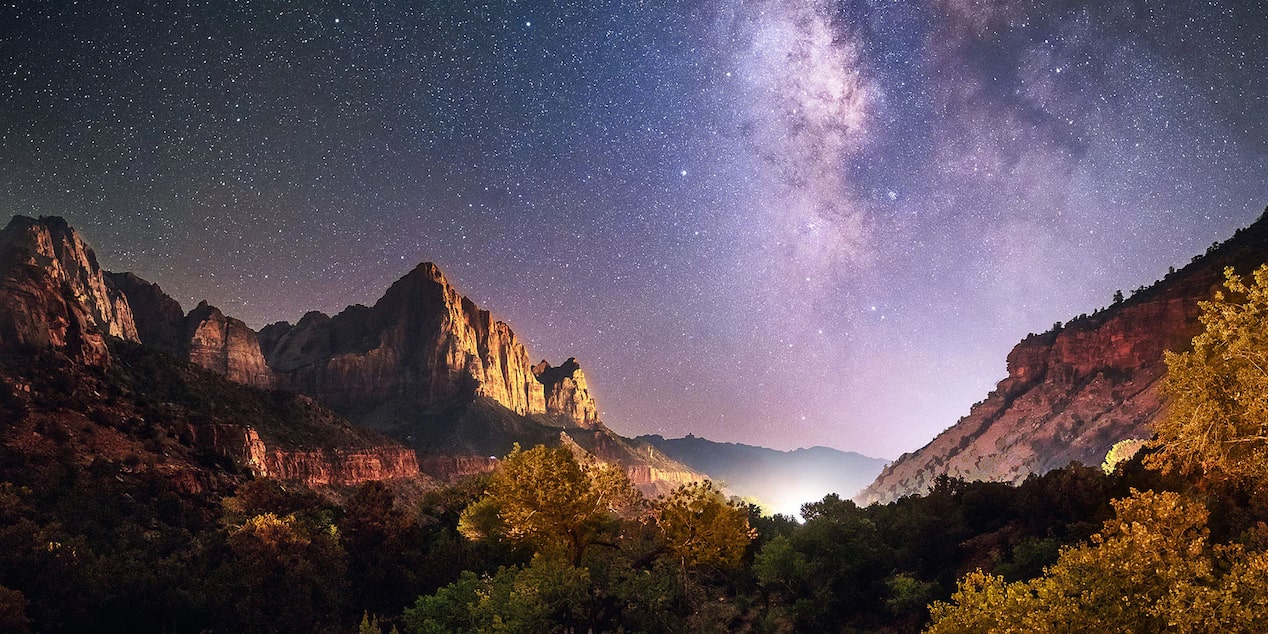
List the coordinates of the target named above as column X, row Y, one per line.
column 566, row 392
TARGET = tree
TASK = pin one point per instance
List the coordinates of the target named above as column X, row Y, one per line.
column 545, row 498
column 546, row 596
column 1218, row 422
column 700, row 527
column 1150, row 569
column 830, row 570
column 286, row 574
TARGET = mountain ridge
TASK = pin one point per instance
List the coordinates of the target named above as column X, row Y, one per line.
column 424, row 365
column 1074, row 391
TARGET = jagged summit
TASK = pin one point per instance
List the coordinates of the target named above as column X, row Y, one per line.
column 1074, row 391
column 55, row 294
column 567, row 393
column 424, row 363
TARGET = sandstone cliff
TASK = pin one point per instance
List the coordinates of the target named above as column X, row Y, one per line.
column 429, row 367
column 424, row 364
column 567, row 395
column 226, row 346
column 1073, row 392
column 160, row 320
column 205, row 337
column 422, row 341
column 54, row 293
column 315, row 467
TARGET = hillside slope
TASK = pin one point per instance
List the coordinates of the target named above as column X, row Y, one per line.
column 1072, row 392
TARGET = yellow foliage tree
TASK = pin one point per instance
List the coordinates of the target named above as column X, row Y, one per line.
column 1218, row 423
column 545, row 498
column 701, row 527
column 1151, row 569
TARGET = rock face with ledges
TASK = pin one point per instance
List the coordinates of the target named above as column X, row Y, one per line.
column 567, row 395
column 160, row 320
column 205, row 337
column 1073, row 392
column 54, row 293
column 423, row 340
column 226, row 346
column 315, row 467
column 424, row 364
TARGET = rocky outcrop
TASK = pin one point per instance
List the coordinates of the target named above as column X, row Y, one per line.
column 432, row 369
column 1073, row 392
column 567, row 395
column 313, row 467
column 53, row 293
column 160, row 320
column 205, row 337
column 226, row 346
column 423, row 340
column 424, row 363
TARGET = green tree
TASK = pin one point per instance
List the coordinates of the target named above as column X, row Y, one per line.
column 285, row 574
column 545, row 498
column 548, row 595
column 829, row 571
column 1218, row 422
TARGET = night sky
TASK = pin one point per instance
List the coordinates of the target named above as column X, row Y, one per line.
column 784, row 223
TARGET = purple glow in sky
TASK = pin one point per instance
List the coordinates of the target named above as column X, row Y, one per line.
column 783, row 223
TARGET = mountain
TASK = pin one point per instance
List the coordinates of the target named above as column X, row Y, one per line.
column 1074, row 391
column 781, row 480
column 76, row 383
column 424, row 365
column 428, row 366
column 54, row 294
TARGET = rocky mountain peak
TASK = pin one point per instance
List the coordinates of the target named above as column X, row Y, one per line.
column 226, row 346
column 56, row 294
column 567, row 394
column 422, row 341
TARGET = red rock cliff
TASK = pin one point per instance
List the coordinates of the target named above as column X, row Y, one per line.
column 1072, row 393
column 422, row 340
column 314, row 467
column 53, row 293
column 160, row 320
column 226, row 346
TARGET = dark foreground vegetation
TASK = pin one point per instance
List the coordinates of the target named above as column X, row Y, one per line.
column 1173, row 540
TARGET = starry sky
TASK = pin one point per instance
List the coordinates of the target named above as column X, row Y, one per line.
column 779, row 222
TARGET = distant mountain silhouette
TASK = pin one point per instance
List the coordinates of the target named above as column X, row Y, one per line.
column 780, row 480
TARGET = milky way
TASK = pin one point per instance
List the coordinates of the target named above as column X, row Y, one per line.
column 785, row 222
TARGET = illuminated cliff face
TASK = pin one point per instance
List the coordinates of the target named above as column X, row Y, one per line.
column 55, row 295
column 1073, row 392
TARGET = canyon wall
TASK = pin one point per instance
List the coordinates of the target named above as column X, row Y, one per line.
column 1073, row 392
column 423, row 341
column 567, row 394
column 315, row 467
